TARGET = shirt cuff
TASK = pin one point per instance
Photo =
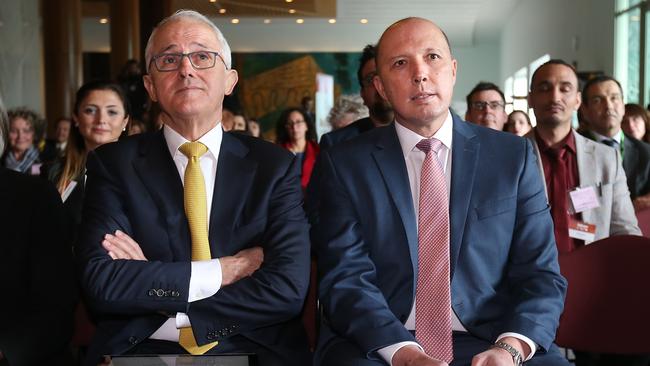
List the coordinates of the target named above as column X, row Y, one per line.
column 205, row 279
column 529, row 342
column 182, row 321
column 388, row 352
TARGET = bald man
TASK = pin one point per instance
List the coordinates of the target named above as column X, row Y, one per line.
column 435, row 242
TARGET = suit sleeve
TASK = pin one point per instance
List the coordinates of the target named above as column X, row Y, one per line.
column 536, row 287
column 623, row 219
column 352, row 303
column 275, row 293
column 122, row 286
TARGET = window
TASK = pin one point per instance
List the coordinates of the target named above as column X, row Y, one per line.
column 631, row 37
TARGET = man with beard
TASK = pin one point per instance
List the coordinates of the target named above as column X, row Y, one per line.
column 603, row 108
column 486, row 106
column 569, row 161
column 381, row 113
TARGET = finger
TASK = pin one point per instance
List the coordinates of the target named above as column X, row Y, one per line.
column 118, row 244
column 135, row 247
column 111, row 247
column 112, row 255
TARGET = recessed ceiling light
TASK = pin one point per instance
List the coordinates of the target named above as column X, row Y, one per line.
column 222, row 11
column 267, row 21
column 364, row 21
column 213, row 1
column 292, row 11
column 234, row 21
column 300, row 21
column 103, row 20
column 289, row 1
column 332, row 21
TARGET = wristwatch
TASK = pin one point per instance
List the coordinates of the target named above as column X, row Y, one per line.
column 516, row 356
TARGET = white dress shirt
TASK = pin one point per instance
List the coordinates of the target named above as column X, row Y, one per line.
column 205, row 279
column 414, row 157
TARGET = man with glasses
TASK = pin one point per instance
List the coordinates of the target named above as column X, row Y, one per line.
column 603, row 107
column 486, row 106
column 194, row 240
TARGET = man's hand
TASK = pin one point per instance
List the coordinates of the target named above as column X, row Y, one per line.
column 121, row 246
column 413, row 356
column 242, row 264
column 501, row 357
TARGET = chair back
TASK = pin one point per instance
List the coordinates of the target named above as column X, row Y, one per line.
column 643, row 217
column 608, row 296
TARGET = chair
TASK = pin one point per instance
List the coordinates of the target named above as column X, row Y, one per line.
column 643, row 217
column 606, row 307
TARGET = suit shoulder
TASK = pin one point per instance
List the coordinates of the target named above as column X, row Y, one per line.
column 125, row 146
column 263, row 149
column 26, row 186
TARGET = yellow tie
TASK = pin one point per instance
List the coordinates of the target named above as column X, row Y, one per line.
column 196, row 210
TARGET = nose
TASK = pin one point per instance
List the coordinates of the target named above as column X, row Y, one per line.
column 420, row 72
column 186, row 69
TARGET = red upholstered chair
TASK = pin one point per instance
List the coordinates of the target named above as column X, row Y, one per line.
column 606, row 308
column 644, row 221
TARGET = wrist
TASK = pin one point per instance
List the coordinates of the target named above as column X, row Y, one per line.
column 517, row 357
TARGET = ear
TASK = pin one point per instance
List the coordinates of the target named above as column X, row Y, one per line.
column 75, row 120
column 230, row 81
column 579, row 101
column 125, row 122
column 151, row 89
column 454, row 67
column 379, row 85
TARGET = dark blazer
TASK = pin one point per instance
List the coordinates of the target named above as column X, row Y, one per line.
column 505, row 275
column 636, row 163
column 348, row 132
column 36, row 273
column 312, row 194
column 134, row 186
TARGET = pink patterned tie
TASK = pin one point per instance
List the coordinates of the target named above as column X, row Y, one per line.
column 433, row 305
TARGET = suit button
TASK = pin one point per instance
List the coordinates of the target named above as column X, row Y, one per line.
column 160, row 292
column 133, row 340
column 175, row 293
column 152, row 292
column 209, row 336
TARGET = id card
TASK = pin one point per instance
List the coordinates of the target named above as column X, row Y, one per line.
column 583, row 199
column 582, row 230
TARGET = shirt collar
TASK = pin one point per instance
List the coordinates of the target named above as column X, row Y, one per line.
column 408, row 139
column 212, row 139
column 601, row 138
column 569, row 142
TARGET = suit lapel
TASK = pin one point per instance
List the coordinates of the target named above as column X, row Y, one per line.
column 390, row 160
column 159, row 175
column 587, row 164
column 235, row 174
column 464, row 159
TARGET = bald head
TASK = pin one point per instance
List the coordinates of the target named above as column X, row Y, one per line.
column 416, row 73
column 409, row 21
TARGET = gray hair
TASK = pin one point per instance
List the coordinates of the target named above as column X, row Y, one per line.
column 197, row 17
column 4, row 119
column 347, row 104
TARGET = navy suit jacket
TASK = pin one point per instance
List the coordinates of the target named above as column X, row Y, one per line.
column 636, row 164
column 134, row 186
column 504, row 271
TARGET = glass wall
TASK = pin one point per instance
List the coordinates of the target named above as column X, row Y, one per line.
column 631, row 37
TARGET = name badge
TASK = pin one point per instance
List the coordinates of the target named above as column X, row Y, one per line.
column 583, row 199
column 582, row 230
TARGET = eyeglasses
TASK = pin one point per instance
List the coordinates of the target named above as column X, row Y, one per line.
column 200, row 60
column 481, row 106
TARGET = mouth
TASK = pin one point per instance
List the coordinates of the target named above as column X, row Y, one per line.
column 422, row 97
column 187, row 88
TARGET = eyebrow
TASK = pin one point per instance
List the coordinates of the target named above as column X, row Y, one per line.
column 173, row 45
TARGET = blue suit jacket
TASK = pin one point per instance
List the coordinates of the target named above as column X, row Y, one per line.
column 505, row 275
column 134, row 186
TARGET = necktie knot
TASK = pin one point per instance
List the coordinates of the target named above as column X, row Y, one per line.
column 432, row 144
column 610, row 142
column 193, row 149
